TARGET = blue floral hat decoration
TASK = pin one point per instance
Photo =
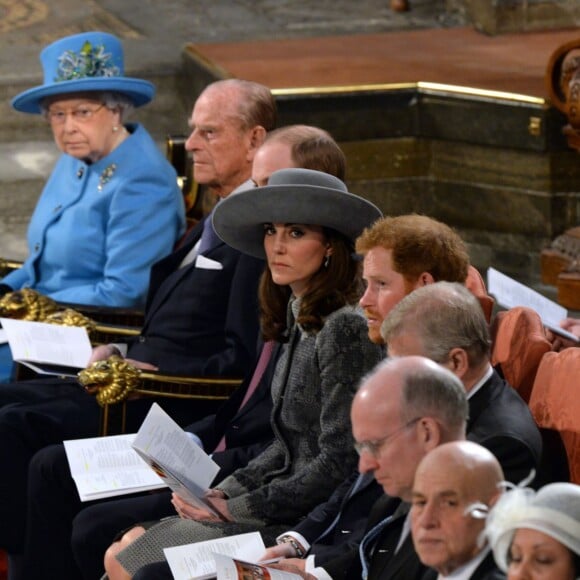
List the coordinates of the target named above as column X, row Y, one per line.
column 86, row 62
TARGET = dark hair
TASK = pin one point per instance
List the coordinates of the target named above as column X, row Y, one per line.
column 311, row 148
column 333, row 286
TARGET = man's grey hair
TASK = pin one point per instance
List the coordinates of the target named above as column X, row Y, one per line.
column 256, row 107
column 429, row 390
column 444, row 315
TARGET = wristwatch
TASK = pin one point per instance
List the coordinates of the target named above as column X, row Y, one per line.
column 294, row 543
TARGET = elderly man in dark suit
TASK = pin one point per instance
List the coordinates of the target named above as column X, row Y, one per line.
column 444, row 322
column 454, row 487
column 201, row 317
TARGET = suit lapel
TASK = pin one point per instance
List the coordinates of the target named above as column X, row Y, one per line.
column 174, row 273
column 401, row 558
column 487, row 569
column 481, row 400
column 384, row 549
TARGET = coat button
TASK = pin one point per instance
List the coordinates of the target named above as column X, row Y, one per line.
column 36, row 247
column 142, row 339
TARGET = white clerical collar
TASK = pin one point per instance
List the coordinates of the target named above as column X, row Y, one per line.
column 481, row 382
column 466, row 571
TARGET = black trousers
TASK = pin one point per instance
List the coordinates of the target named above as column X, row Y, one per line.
column 67, row 538
column 36, row 414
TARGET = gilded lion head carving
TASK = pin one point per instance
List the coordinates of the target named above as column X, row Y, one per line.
column 110, row 380
column 26, row 304
column 70, row 317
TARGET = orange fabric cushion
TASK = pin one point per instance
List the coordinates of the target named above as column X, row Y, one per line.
column 555, row 401
column 519, row 343
column 475, row 284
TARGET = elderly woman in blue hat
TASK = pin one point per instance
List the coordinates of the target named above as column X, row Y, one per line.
column 304, row 223
column 111, row 206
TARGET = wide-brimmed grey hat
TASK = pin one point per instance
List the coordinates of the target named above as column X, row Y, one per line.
column 299, row 196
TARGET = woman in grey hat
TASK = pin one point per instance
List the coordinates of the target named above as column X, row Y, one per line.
column 304, row 222
column 536, row 535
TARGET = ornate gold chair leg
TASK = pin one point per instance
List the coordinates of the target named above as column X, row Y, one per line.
column 104, row 420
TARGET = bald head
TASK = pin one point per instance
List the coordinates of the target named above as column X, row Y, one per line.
column 403, row 409
column 420, row 387
column 473, row 466
column 449, row 480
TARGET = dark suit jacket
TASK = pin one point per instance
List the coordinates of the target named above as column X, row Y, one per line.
column 247, row 430
column 353, row 508
column 499, row 420
column 385, row 563
column 201, row 321
column 487, row 570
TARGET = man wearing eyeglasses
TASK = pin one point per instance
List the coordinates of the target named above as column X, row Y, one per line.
column 405, row 408
column 444, row 322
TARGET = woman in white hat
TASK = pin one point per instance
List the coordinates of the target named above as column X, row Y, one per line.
column 304, row 222
column 536, row 535
column 111, row 206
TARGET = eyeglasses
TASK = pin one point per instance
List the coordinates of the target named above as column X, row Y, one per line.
column 374, row 447
column 81, row 114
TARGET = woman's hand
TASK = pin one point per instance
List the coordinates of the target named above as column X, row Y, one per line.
column 189, row 512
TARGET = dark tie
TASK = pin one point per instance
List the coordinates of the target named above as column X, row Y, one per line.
column 263, row 361
column 209, row 238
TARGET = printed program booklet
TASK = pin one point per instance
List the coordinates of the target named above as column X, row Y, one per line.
column 509, row 293
column 182, row 464
column 159, row 455
column 198, row 561
column 228, row 568
column 108, row 466
column 49, row 349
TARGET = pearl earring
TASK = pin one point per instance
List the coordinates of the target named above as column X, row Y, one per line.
column 115, row 129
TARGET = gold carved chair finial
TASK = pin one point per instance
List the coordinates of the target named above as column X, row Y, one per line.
column 110, row 380
column 70, row 317
column 27, row 304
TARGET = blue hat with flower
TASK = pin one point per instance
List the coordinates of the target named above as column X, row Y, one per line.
column 86, row 62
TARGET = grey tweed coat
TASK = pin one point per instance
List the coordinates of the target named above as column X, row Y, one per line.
column 312, row 389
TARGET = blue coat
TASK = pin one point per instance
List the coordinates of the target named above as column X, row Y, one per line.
column 97, row 229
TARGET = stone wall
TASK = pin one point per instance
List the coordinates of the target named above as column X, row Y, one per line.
column 502, row 16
